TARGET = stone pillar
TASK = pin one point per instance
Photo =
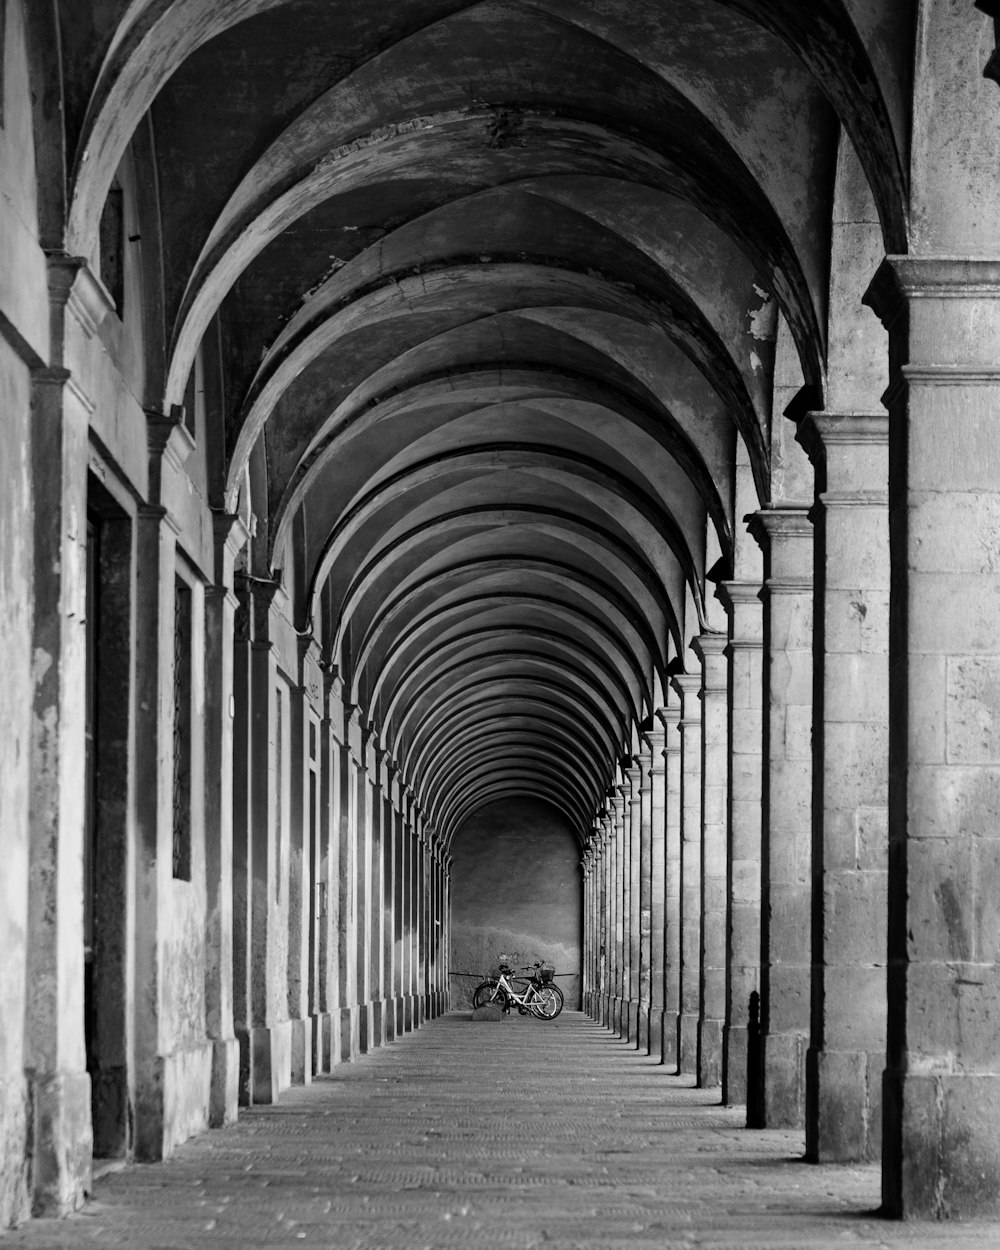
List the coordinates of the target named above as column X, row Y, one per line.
column 304, row 695
column 633, row 916
column 328, row 902
column 365, row 835
column 390, row 840
column 377, row 911
column 54, row 1057
column 347, row 888
column 588, row 927
column 846, row 1057
column 710, row 649
column 670, row 717
column 254, row 846
column 785, row 536
column 745, row 655
column 618, row 805
column 220, row 618
column 656, row 773
column 398, row 902
column 607, row 916
column 688, row 687
column 941, row 1150
column 645, row 892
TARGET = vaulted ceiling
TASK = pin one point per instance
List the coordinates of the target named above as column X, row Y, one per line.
column 494, row 289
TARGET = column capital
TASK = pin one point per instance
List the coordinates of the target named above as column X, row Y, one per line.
column 688, row 686
column 767, row 524
column 230, row 536
column 900, row 279
column 785, row 536
column 819, row 431
column 711, row 643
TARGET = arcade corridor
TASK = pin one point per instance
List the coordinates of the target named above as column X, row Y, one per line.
column 491, row 477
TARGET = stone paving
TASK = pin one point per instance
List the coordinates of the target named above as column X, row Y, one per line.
column 519, row 1134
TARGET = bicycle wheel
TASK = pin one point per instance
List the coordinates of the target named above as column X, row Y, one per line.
column 547, row 1002
column 490, row 993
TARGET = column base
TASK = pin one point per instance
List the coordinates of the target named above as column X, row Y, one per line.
column 669, row 1031
column 642, row 1042
column 687, row 1044
column 350, row 1034
column 631, row 1022
column 604, row 1015
column 709, row 1053
column 322, row 1043
column 15, row 1200
column 655, row 1047
column 389, row 1015
column 843, row 1106
column 224, row 1096
column 941, row 1153
column 378, row 1023
column 783, row 1073
column 265, row 1063
column 616, row 1015
column 300, row 1052
column 734, row 1065
column 63, row 1147
column 366, row 1027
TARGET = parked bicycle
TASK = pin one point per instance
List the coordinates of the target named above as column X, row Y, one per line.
column 536, row 993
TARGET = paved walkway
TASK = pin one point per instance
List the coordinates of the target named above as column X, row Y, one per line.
column 524, row 1133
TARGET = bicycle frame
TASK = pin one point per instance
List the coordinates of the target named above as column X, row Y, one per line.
column 524, row 999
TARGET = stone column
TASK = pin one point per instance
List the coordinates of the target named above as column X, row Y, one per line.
column 390, row 842
column 376, row 921
column 846, row 1058
column 688, row 687
column 710, row 649
column 255, row 851
column 364, row 867
column 941, row 1150
column 785, row 536
column 328, row 1044
column 633, row 916
column 745, row 654
column 347, row 888
column 607, row 916
column 304, row 695
column 655, row 740
column 220, row 619
column 55, row 1052
column 587, row 928
column 670, row 717
column 621, row 878
column 645, row 895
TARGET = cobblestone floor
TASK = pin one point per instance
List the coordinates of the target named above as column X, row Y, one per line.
column 519, row 1134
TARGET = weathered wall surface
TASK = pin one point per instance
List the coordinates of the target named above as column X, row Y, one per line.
column 516, row 890
column 23, row 334
column 15, row 701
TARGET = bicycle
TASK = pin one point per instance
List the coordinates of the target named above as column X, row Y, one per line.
column 539, row 995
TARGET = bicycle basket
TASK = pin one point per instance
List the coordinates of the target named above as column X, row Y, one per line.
column 547, row 974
